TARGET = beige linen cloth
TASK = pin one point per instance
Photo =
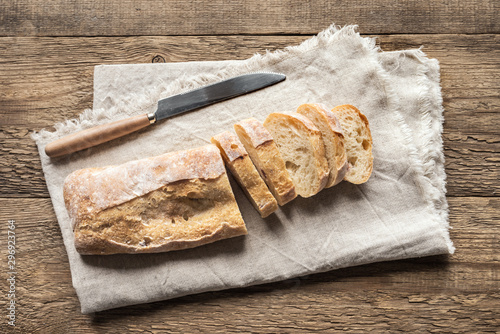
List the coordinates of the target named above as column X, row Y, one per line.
column 401, row 212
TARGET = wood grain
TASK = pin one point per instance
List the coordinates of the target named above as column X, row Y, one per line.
column 97, row 135
column 47, row 53
column 219, row 17
column 61, row 83
column 60, row 87
column 441, row 294
column 471, row 165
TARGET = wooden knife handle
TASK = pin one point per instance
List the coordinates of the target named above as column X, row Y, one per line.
column 96, row 135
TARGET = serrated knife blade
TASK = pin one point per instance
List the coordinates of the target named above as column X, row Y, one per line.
column 167, row 107
column 214, row 93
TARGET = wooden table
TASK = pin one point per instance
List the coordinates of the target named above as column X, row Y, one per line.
column 47, row 53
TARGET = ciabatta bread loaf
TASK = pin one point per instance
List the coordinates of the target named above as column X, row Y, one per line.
column 239, row 163
column 358, row 143
column 265, row 155
column 333, row 138
column 173, row 201
column 302, row 148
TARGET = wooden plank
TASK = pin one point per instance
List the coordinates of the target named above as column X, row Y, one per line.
column 471, row 165
column 60, row 87
column 119, row 18
column 473, row 219
column 458, row 293
column 21, row 171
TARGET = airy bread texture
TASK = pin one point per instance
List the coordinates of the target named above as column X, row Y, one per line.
column 265, row 155
column 239, row 163
column 173, row 201
column 333, row 138
column 358, row 143
column 302, row 148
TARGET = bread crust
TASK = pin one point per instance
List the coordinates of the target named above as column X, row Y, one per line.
column 344, row 111
column 239, row 163
column 314, row 137
column 173, row 201
column 257, row 133
column 266, row 157
column 334, row 147
column 229, row 146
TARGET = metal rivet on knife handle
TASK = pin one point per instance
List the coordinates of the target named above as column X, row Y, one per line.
column 96, row 135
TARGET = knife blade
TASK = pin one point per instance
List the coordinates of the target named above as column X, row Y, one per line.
column 168, row 107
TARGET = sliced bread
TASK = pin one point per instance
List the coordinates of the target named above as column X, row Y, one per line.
column 239, row 163
column 299, row 142
column 333, row 138
column 265, row 155
column 358, row 143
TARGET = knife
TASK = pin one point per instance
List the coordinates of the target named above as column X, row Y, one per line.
column 168, row 107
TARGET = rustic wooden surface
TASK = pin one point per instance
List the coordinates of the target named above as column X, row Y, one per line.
column 47, row 53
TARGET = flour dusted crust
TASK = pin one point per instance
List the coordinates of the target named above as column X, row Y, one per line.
column 230, row 146
column 256, row 133
column 265, row 155
column 242, row 168
column 333, row 138
column 173, row 201
column 301, row 145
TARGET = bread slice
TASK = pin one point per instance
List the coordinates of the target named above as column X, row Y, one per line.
column 173, row 201
column 239, row 163
column 265, row 155
column 333, row 138
column 358, row 143
column 302, row 148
